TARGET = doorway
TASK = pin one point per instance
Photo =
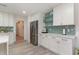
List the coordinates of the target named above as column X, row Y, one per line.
column 20, row 31
column 34, row 33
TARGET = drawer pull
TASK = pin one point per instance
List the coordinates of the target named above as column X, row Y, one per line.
column 64, row 39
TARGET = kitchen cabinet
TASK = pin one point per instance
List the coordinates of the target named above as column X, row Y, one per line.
column 50, row 43
column 12, row 38
column 44, row 41
column 11, row 20
column 59, row 45
column 48, row 19
column 53, row 45
column 6, row 19
column 63, row 15
column 1, row 20
column 66, row 46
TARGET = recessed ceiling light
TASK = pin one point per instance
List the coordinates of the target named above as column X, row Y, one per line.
column 24, row 12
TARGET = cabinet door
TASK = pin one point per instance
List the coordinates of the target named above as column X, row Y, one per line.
column 11, row 20
column 53, row 44
column 11, row 37
column 57, row 16
column 66, row 47
column 5, row 19
column 68, row 14
column 44, row 41
column 63, row 14
column 1, row 19
column 58, row 41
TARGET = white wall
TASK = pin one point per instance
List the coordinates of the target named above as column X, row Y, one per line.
column 76, row 14
column 25, row 29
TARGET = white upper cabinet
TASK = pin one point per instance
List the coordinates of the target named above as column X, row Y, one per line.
column 6, row 19
column 11, row 20
column 1, row 20
column 63, row 14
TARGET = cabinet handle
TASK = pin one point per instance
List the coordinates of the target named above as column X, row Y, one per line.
column 64, row 39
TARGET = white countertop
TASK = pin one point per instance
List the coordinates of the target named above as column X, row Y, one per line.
column 62, row 36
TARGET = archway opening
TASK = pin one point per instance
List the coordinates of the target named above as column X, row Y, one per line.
column 20, row 31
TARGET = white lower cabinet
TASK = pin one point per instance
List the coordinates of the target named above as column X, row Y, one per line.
column 62, row 46
column 44, row 41
column 53, row 45
column 11, row 37
column 66, row 46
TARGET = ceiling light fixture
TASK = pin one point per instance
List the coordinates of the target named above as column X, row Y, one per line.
column 24, row 12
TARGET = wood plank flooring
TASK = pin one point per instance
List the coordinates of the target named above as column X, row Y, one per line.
column 19, row 39
column 23, row 48
column 3, row 49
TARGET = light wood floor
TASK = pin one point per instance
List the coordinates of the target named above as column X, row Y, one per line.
column 28, row 49
column 3, row 49
column 19, row 39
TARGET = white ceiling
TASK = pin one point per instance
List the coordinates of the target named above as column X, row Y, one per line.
column 30, row 8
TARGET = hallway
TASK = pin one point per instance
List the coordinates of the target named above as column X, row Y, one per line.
column 19, row 39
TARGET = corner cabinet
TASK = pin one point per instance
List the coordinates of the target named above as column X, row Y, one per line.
column 63, row 14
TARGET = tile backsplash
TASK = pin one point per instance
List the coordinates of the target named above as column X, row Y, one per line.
column 69, row 29
column 6, row 29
